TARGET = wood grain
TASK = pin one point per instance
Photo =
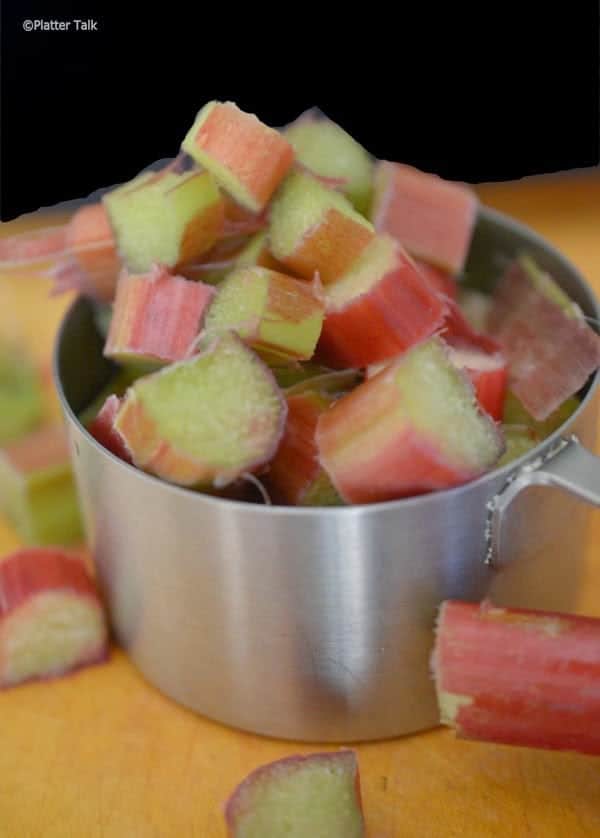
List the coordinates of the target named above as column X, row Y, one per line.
column 104, row 755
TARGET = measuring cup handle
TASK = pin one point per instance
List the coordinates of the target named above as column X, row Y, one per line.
column 568, row 465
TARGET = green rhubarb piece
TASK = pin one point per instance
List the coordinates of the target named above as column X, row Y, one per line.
column 327, row 150
column 206, row 420
column 37, row 489
column 165, row 218
column 21, row 402
column 301, row 205
column 516, row 414
column 276, row 315
column 314, row 796
column 519, row 439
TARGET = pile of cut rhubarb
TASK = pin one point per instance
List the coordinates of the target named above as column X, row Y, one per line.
column 280, row 307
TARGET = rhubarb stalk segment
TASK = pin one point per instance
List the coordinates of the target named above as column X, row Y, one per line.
column 37, row 489
column 247, row 158
column 379, row 308
column 165, row 218
column 519, row 677
column 315, row 229
column 414, row 427
column 51, row 616
column 314, row 796
column 551, row 353
column 431, row 217
column 156, row 317
column 276, row 315
column 327, row 150
column 204, row 421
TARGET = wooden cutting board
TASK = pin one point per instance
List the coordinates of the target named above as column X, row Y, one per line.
column 104, row 755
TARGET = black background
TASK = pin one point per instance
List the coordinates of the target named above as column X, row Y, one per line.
column 480, row 94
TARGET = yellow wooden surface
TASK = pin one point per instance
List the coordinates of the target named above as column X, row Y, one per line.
column 103, row 755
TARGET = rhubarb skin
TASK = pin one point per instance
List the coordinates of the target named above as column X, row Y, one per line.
column 328, row 151
column 313, row 796
column 32, row 250
column 235, row 417
column 102, row 428
column 156, row 317
column 550, row 354
column 21, row 402
column 93, row 250
column 37, row 489
column 247, row 158
column 295, row 476
column 51, row 616
column 315, row 229
column 413, row 428
column 382, row 306
column 166, row 218
column 519, row 677
column 441, row 281
column 432, row 218
column 278, row 316
column 488, row 371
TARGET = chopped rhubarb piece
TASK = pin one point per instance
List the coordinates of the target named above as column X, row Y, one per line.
column 440, row 281
column 276, row 315
column 548, row 287
column 475, row 307
column 518, row 439
column 431, row 217
column 31, row 250
column 93, row 264
column 165, row 218
column 102, row 428
column 378, row 309
column 314, row 796
column 314, row 229
column 413, row 428
column 157, row 317
column 327, row 150
column 37, row 491
column 248, row 158
column 234, row 417
column 550, row 354
column 518, row 677
column 51, row 616
column 488, row 372
column 21, row 403
column 515, row 414
column 295, row 475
